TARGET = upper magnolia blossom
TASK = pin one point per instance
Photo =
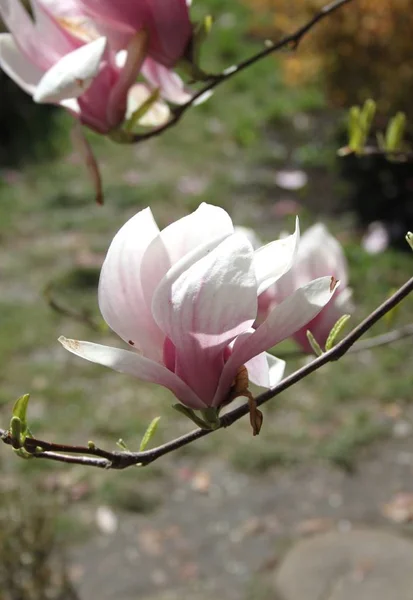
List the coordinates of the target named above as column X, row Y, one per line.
column 60, row 57
column 319, row 254
column 185, row 298
column 166, row 22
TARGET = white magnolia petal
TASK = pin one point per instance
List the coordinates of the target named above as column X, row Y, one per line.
column 265, row 370
column 288, row 317
column 71, row 76
column 56, row 40
column 277, row 369
column 63, row 8
column 72, row 105
column 322, row 325
column 18, row 22
column 251, row 236
column 133, row 364
column 120, row 58
column 344, row 301
column 170, row 85
column 204, row 307
column 17, row 66
column 319, row 255
column 205, row 226
column 121, row 298
column 156, row 115
column 282, row 322
column 275, row 259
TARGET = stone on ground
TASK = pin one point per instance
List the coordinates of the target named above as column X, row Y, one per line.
column 356, row 565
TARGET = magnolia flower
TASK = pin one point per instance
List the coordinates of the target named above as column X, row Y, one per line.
column 185, row 298
column 71, row 66
column 319, row 254
column 61, row 58
column 165, row 21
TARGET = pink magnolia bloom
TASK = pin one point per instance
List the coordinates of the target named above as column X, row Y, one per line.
column 166, row 22
column 185, row 300
column 319, row 254
column 60, row 63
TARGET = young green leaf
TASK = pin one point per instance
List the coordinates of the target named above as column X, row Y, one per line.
column 149, row 433
column 395, row 132
column 335, row 331
column 16, row 432
column 20, row 409
column 354, row 130
column 314, row 344
column 366, row 116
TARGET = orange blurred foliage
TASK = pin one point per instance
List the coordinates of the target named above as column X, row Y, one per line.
column 363, row 50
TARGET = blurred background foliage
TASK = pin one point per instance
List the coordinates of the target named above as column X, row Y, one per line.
column 364, row 50
column 28, row 131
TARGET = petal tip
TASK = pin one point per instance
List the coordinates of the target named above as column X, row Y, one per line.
column 69, row 344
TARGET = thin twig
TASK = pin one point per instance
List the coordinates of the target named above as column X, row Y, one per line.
column 291, row 40
column 382, row 340
column 405, row 155
column 374, row 342
column 95, row 457
column 65, row 310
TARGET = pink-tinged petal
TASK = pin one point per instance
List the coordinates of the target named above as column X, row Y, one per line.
column 93, row 103
column 343, row 299
column 201, row 309
column 282, row 322
column 170, row 30
column 207, row 225
column 19, row 23
column 319, row 255
column 170, row 85
column 275, row 259
column 117, row 102
column 57, row 40
column 121, row 298
column 63, row 8
column 128, row 15
column 265, row 370
column 71, row 76
column 287, row 318
column 321, row 326
column 136, row 365
column 43, row 42
column 166, row 21
column 284, row 287
column 17, row 66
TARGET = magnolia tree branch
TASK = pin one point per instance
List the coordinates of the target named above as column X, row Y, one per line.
column 291, row 41
column 373, row 342
column 401, row 155
column 96, row 457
